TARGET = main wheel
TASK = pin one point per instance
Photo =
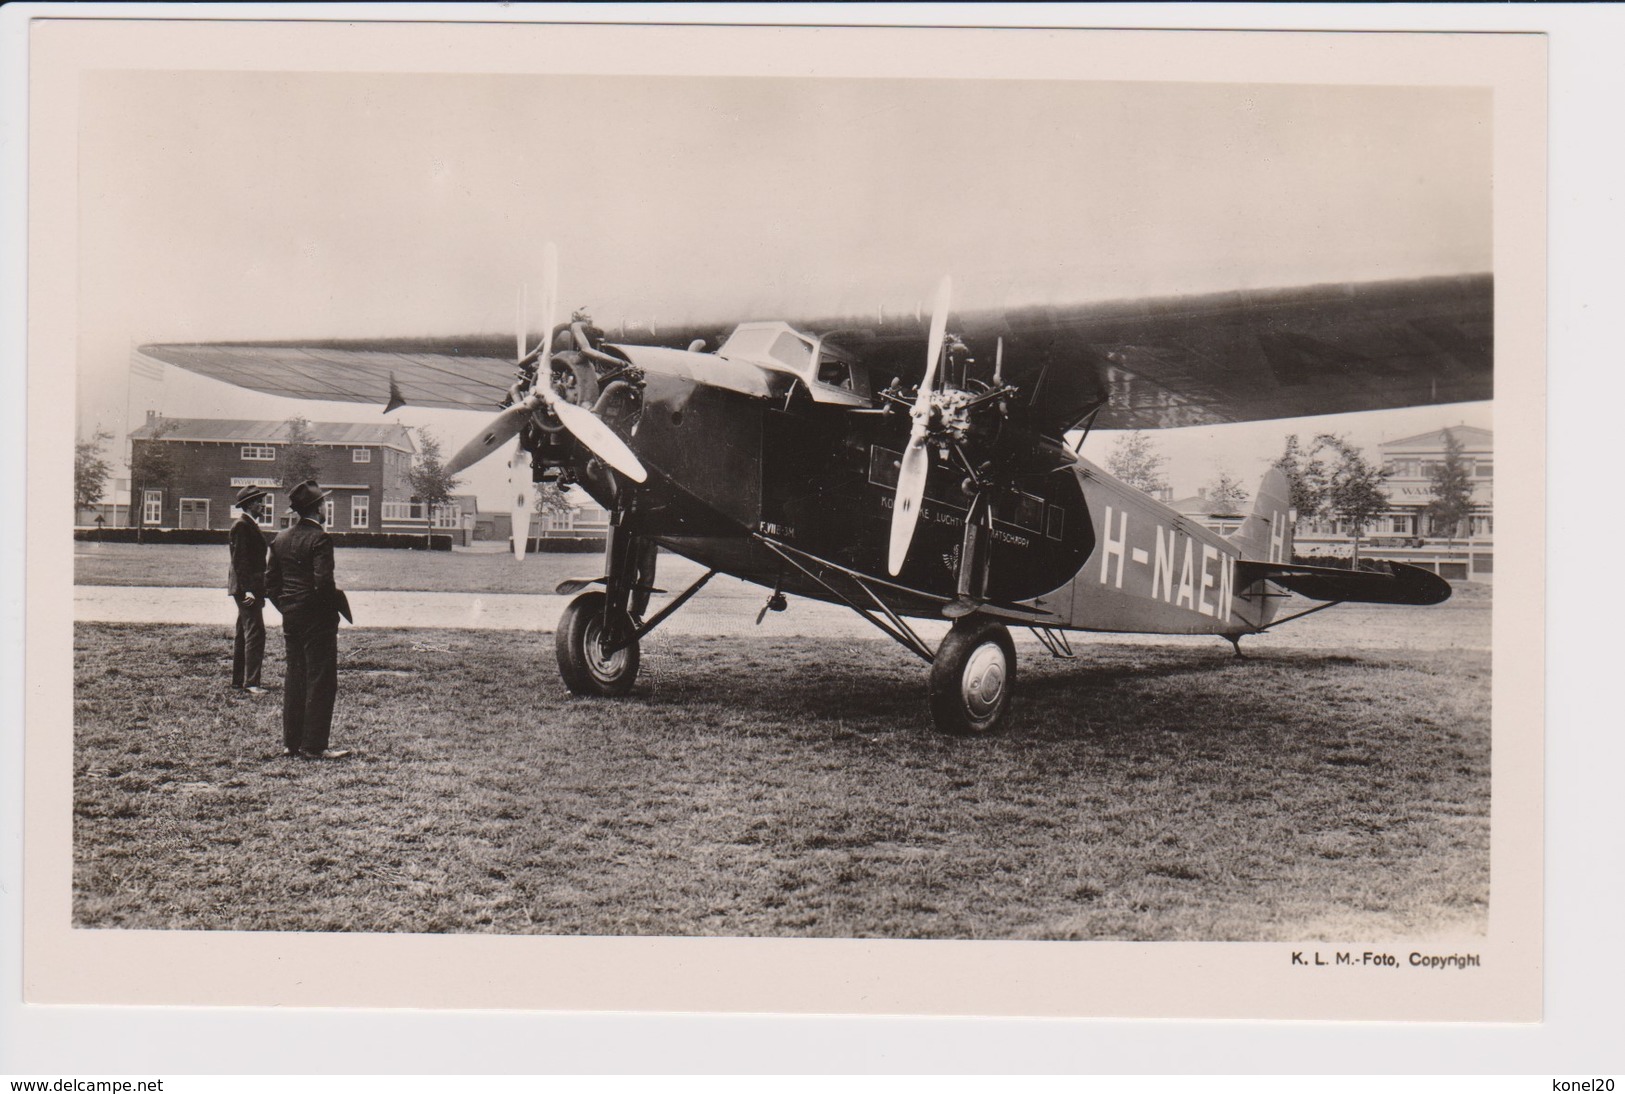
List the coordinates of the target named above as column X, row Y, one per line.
column 579, row 641
column 972, row 677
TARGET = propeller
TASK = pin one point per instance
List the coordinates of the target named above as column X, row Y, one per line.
column 583, row 424
column 519, row 478
column 916, row 462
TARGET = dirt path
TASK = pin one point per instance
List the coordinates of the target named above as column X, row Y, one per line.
column 728, row 607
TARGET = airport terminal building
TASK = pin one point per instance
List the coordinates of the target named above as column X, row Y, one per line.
column 366, row 467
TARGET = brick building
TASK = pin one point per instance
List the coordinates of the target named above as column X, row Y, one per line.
column 366, row 467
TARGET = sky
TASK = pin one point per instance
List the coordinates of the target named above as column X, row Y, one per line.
column 266, row 205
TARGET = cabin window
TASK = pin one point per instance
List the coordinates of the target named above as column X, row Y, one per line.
column 1029, row 513
column 883, row 465
column 1056, row 526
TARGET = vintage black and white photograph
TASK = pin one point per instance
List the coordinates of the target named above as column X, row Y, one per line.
column 814, row 506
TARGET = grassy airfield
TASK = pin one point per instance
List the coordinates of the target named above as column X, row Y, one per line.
column 787, row 787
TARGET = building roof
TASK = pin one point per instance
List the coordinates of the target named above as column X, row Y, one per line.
column 343, row 434
column 1468, row 436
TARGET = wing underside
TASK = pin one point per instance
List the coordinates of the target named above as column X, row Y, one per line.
column 421, row 377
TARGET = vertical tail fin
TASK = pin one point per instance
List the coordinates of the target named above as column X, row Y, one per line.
column 1266, row 535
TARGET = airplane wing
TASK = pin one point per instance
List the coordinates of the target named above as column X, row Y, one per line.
column 1397, row 583
column 1231, row 357
column 1149, row 363
column 468, row 374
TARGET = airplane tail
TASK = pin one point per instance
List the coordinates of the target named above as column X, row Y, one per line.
column 1266, row 535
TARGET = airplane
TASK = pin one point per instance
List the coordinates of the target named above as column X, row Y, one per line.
column 912, row 472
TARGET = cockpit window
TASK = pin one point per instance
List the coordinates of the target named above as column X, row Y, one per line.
column 835, row 372
column 793, row 351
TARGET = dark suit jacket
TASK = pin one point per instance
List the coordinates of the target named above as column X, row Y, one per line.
column 300, row 576
column 247, row 559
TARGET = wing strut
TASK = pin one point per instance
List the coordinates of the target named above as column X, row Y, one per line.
column 892, row 626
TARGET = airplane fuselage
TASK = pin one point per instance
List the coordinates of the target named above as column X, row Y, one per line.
column 739, row 477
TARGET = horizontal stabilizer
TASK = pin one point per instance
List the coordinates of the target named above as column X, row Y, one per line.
column 1397, row 583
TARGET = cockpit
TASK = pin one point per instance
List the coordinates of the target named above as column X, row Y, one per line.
column 831, row 374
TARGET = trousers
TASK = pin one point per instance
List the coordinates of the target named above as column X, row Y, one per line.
column 248, row 650
column 312, row 682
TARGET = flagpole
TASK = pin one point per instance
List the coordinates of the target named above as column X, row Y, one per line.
column 128, row 446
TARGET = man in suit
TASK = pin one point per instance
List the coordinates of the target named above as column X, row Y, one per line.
column 300, row 584
column 246, row 585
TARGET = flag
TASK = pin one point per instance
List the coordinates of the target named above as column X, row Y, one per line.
column 396, row 399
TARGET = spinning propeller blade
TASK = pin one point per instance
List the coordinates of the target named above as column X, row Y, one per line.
column 601, row 440
column 519, row 484
column 916, row 462
column 585, row 426
column 503, row 428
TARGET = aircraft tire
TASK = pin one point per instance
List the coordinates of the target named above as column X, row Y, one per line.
column 586, row 671
column 972, row 678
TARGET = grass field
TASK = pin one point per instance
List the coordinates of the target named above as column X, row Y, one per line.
column 787, row 787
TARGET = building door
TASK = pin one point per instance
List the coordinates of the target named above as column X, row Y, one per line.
column 194, row 512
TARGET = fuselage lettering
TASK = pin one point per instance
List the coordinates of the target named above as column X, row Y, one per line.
column 1162, row 575
column 1210, row 554
column 1187, row 588
column 1113, row 548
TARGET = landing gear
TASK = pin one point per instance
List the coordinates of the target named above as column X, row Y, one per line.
column 972, row 677
column 587, row 627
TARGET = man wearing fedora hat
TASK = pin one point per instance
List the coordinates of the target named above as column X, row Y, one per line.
column 246, row 585
column 300, row 584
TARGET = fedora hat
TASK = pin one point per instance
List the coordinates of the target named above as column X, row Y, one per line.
column 307, row 496
column 248, row 494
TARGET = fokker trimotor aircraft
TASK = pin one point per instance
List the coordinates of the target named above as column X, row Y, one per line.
column 918, row 467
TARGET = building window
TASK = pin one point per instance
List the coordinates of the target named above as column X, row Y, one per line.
column 447, row 516
column 328, row 513
column 360, row 455
column 401, row 510
column 264, row 511
column 360, row 511
column 152, row 506
column 1401, row 525
column 1484, row 526
column 259, row 452
column 1484, row 470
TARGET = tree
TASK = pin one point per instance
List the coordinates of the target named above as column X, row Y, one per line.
column 1226, row 494
column 90, row 470
column 298, row 459
column 1349, row 486
column 550, row 499
column 152, row 467
column 1304, row 472
column 431, row 485
column 1452, row 490
column 1135, row 460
